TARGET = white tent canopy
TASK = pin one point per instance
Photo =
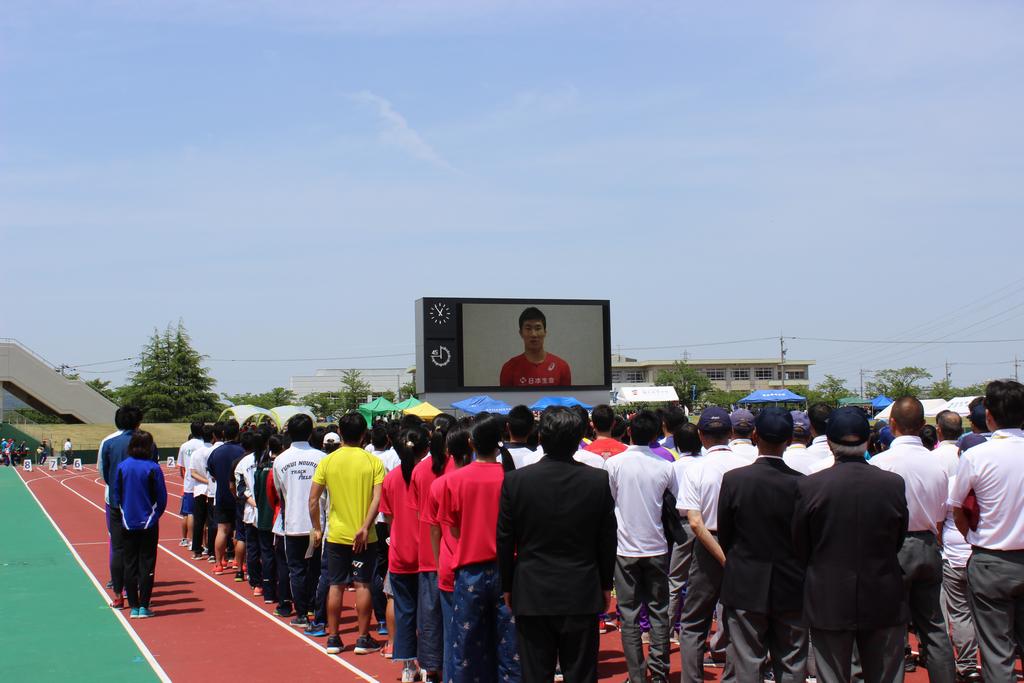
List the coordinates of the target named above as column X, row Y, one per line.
column 932, row 407
column 244, row 412
column 282, row 414
column 646, row 394
column 959, row 405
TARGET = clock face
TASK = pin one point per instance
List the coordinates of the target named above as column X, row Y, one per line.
column 439, row 313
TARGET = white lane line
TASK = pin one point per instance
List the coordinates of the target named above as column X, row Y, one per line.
column 157, row 669
column 259, row 610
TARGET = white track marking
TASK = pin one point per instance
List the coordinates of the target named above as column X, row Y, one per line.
column 157, row 669
column 259, row 610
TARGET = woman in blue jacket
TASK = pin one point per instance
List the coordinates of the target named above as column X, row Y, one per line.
column 143, row 494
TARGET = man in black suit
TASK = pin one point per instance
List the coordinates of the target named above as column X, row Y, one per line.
column 848, row 526
column 556, row 554
column 762, row 585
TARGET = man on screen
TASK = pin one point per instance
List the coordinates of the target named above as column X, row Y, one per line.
column 535, row 367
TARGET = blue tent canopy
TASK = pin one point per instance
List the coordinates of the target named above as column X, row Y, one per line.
column 562, row 401
column 481, row 404
column 772, row 396
column 881, row 401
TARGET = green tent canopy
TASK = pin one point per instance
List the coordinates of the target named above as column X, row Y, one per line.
column 854, row 401
column 410, row 402
column 378, row 406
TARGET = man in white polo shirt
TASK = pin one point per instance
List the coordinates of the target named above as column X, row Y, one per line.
column 742, row 428
column 188, row 482
column 639, row 479
column 994, row 470
column 698, row 500
column 818, row 451
column 927, row 488
column 950, row 427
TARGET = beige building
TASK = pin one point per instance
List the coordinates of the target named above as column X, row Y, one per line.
column 729, row 374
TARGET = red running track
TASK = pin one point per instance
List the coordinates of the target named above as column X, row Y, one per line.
column 203, row 621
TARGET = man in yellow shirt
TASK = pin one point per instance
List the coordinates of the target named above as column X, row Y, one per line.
column 352, row 478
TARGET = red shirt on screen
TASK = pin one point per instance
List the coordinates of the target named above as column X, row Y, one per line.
column 605, row 447
column 419, row 491
column 402, row 556
column 469, row 502
column 446, row 556
column 551, row 372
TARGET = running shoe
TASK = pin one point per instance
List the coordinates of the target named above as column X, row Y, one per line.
column 239, row 577
column 118, row 603
column 315, row 630
column 145, row 613
column 211, row 558
column 218, row 569
column 388, row 651
column 198, row 557
column 410, row 674
column 284, row 612
column 269, row 600
column 300, row 621
column 334, row 645
column 365, row 645
column 382, row 630
column 257, row 591
column 134, row 614
column 183, row 542
column 559, row 677
column 110, row 585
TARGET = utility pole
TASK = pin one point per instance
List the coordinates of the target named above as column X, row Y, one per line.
column 947, row 372
column 862, row 384
column 1016, row 366
column 782, row 359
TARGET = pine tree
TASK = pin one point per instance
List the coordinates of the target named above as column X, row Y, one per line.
column 170, row 383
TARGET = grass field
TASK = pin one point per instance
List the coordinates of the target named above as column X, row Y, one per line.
column 88, row 437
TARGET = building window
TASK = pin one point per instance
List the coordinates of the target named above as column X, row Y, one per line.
column 764, row 373
column 741, row 373
column 616, row 375
column 796, row 374
column 636, row 376
column 714, row 373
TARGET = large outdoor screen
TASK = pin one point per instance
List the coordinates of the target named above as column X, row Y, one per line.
column 514, row 344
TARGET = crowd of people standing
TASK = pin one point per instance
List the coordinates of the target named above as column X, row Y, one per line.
column 498, row 548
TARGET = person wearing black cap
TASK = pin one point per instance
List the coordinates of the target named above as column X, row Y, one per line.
column 698, row 500
column 762, row 585
column 849, row 522
column 927, row 489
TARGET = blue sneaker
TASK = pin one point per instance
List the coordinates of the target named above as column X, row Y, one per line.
column 134, row 614
column 382, row 629
column 145, row 613
column 315, row 630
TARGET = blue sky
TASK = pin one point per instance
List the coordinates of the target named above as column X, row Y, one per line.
column 288, row 177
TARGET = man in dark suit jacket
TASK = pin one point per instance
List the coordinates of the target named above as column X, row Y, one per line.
column 762, row 584
column 848, row 527
column 556, row 554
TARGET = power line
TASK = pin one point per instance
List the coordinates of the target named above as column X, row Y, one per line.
column 910, row 341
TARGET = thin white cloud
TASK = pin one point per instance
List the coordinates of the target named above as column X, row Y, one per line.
column 396, row 131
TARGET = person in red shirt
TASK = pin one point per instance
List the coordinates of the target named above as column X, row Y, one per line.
column 429, row 624
column 442, row 541
column 535, row 367
column 403, row 557
column 605, row 445
column 485, row 646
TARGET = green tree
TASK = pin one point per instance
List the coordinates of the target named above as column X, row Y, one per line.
column 278, row 396
column 945, row 389
column 829, row 391
column 684, row 378
column 354, row 390
column 325, row 404
column 103, row 387
column 898, row 382
column 169, row 381
column 408, row 389
column 725, row 399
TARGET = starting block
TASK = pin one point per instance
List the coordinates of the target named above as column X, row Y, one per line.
column 170, row 461
column 77, row 464
column 28, row 465
column 53, row 464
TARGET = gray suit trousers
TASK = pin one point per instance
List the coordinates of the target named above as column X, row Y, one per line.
column 640, row 581
column 881, row 654
column 678, row 571
column 753, row 637
column 997, row 600
column 922, row 574
column 956, row 605
column 703, row 586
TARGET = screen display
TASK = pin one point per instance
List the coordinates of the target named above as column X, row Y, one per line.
column 515, row 344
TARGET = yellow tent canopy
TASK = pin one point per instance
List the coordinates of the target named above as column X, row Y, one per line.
column 424, row 410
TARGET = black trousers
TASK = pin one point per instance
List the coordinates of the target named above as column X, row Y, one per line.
column 117, row 568
column 303, row 573
column 268, row 564
column 284, row 586
column 140, row 564
column 379, row 599
column 571, row 641
column 200, row 512
column 253, row 561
